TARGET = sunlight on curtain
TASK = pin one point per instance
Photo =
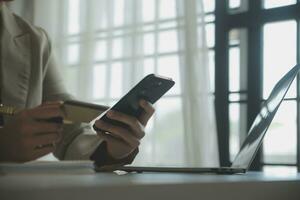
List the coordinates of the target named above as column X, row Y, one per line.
column 107, row 46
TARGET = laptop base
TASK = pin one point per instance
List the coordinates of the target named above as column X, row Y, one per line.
column 220, row 170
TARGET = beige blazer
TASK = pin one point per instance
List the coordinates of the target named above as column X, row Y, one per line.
column 30, row 77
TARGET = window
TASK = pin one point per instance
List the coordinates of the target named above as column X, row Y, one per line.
column 260, row 41
column 209, row 8
column 277, row 3
column 247, row 40
column 140, row 42
column 280, row 145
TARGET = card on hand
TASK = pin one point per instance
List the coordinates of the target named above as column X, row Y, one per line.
column 82, row 112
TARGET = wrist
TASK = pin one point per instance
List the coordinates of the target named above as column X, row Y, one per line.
column 102, row 157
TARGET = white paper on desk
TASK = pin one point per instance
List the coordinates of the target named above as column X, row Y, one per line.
column 55, row 167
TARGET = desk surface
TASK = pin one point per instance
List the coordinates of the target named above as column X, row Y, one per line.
column 79, row 181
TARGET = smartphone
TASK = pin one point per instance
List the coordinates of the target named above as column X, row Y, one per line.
column 151, row 88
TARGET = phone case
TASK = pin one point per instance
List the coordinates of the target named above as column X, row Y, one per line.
column 151, row 88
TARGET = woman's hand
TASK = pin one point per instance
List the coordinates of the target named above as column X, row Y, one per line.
column 28, row 136
column 123, row 141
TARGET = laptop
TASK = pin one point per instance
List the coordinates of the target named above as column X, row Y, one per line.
column 251, row 144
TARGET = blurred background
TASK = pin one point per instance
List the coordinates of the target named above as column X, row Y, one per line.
column 225, row 57
column 105, row 47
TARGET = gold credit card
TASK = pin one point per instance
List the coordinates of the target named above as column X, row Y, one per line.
column 82, row 112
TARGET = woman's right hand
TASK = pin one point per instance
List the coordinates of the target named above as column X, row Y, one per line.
column 28, row 136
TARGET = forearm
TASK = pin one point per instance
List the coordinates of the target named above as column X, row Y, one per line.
column 87, row 144
column 78, row 143
column 82, row 147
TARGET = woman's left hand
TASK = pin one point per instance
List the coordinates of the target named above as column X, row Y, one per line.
column 123, row 141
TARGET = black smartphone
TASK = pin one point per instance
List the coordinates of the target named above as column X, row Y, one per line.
column 151, row 88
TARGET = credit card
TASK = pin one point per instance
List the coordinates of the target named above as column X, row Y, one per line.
column 82, row 112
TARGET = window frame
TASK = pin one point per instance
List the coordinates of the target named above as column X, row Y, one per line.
column 253, row 19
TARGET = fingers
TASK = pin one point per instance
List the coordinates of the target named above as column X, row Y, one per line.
column 147, row 113
column 51, row 138
column 45, row 112
column 37, row 146
column 118, row 132
column 43, row 151
column 59, row 103
column 109, row 137
column 35, row 127
column 132, row 122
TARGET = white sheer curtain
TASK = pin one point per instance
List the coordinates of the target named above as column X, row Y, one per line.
column 106, row 46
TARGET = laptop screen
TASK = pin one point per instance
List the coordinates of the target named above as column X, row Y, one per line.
column 263, row 120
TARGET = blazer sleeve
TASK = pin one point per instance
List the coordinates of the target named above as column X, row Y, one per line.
column 75, row 136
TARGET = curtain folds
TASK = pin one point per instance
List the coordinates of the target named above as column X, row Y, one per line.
column 198, row 108
column 195, row 144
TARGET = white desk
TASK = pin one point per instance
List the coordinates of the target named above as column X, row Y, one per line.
column 80, row 182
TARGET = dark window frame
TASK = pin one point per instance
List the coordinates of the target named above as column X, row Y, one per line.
column 253, row 19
